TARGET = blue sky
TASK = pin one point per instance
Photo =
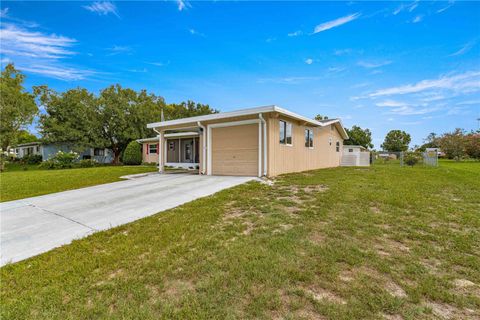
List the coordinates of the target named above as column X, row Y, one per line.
column 412, row 65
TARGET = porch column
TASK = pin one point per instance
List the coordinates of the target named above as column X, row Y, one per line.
column 160, row 153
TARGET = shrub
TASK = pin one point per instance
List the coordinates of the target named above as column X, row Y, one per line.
column 87, row 163
column 133, row 154
column 31, row 159
column 61, row 160
column 411, row 158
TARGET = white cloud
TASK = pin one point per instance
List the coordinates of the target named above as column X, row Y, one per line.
column 465, row 82
column 22, row 42
column 409, row 7
column 295, row 34
column 469, row 102
column 39, row 53
column 390, row 104
column 370, row 65
column 288, row 80
column 119, row 50
column 335, row 23
column 182, row 5
column 103, row 8
column 159, row 64
column 4, row 13
column 464, row 49
column 196, row 33
column 58, row 72
column 309, row 61
column 417, row 18
column 450, row 3
column 341, row 52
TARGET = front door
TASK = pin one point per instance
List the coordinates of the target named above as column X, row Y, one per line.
column 187, row 152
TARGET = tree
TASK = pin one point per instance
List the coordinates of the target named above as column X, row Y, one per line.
column 25, row 137
column 453, row 144
column 472, row 145
column 396, row 141
column 319, row 117
column 431, row 141
column 360, row 137
column 133, row 153
column 124, row 114
column 17, row 107
column 69, row 118
column 187, row 109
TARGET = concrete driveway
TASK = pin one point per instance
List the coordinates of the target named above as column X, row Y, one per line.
column 35, row 225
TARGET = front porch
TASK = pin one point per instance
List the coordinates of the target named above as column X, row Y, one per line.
column 181, row 150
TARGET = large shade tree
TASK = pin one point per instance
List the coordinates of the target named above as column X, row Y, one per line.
column 69, row 117
column 396, row 141
column 17, row 107
column 359, row 137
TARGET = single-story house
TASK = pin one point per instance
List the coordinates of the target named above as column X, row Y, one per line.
column 101, row 155
column 262, row 141
column 354, row 155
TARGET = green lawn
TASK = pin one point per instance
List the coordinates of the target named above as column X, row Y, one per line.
column 346, row 243
column 18, row 184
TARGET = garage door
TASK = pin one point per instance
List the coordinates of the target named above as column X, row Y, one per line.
column 235, row 150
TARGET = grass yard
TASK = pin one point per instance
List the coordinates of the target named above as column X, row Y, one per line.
column 346, row 243
column 17, row 184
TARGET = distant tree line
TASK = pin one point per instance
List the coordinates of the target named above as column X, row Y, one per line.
column 457, row 144
column 81, row 118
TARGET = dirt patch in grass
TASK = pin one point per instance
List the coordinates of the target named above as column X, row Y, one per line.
column 323, row 295
column 395, row 290
column 177, row 287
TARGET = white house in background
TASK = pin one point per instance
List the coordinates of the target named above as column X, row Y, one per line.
column 101, row 155
column 355, row 156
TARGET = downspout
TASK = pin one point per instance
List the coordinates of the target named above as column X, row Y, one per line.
column 264, row 123
column 204, row 146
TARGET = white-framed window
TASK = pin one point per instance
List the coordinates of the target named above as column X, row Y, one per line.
column 337, row 146
column 99, row 152
column 285, row 132
column 152, row 148
column 309, row 138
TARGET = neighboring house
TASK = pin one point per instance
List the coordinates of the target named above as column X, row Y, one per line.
column 101, row 155
column 355, row 156
column 263, row 141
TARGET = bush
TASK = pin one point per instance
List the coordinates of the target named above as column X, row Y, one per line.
column 31, row 159
column 61, row 160
column 87, row 163
column 411, row 158
column 133, row 154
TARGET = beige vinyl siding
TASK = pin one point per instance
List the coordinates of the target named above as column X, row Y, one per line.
column 235, row 150
column 285, row 158
column 151, row 157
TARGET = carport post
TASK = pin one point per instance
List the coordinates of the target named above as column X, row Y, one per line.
column 160, row 153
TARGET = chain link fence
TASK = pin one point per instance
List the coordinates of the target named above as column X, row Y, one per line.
column 390, row 158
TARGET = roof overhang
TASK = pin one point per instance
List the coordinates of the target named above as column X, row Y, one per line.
column 247, row 112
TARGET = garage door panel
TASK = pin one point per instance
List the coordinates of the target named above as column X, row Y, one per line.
column 235, row 150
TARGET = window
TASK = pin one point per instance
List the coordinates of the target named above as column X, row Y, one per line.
column 308, row 138
column 337, row 146
column 152, row 148
column 171, row 146
column 285, row 132
column 99, row 152
column 350, row 150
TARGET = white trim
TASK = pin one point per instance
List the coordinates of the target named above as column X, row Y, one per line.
column 181, row 134
column 246, row 112
column 204, row 146
column 222, row 125
column 265, row 149
column 259, row 148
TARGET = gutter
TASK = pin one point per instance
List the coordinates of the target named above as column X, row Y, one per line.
column 264, row 123
column 204, row 146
